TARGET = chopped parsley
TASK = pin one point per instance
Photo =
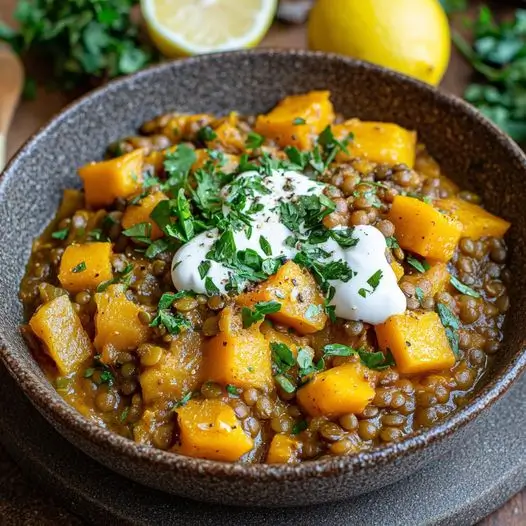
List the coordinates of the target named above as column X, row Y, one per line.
column 203, row 268
column 419, row 293
column 177, row 165
column 373, row 360
column 451, row 323
column 60, row 234
column 258, row 312
column 464, row 289
column 140, row 233
column 299, row 121
column 173, row 323
column 373, row 282
column 265, row 245
column 282, row 357
column 421, row 266
column 81, row 267
column 184, row 400
column 206, row 134
column 254, row 140
column 306, row 365
column 285, row 383
column 298, row 427
column 121, row 277
column 391, row 242
column 210, row 287
column 232, row 389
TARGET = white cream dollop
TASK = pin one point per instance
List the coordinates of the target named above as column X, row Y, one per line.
column 355, row 299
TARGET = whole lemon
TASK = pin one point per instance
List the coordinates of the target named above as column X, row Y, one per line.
column 409, row 36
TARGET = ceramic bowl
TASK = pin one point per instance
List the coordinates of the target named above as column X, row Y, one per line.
column 469, row 148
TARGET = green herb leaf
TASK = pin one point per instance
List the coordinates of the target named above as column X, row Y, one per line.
column 451, row 324
column 373, row 360
column 298, row 427
column 282, row 357
column 391, row 242
column 140, row 233
column 258, row 312
column 120, row 277
column 206, row 134
column 419, row 293
column 254, row 140
column 211, row 287
column 462, row 288
column 232, row 389
column 421, row 266
column 184, row 400
column 203, row 268
column 60, row 234
column 81, row 267
column 265, row 245
column 285, row 383
column 174, row 324
column 299, row 121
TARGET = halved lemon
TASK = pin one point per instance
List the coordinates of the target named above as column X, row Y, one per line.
column 191, row 27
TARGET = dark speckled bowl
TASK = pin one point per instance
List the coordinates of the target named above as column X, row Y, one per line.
column 472, row 150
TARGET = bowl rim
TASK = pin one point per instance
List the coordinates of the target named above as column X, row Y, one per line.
column 57, row 410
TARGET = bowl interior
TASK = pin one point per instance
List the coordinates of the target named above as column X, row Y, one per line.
column 468, row 148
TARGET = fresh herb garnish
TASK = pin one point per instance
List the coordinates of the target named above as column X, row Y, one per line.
column 140, row 233
column 206, row 134
column 464, row 289
column 81, row 267
column 298, row 427
column 120, row 277
column 299, row 121
column 421, row 266
column 203, row 268
column 285, row 383
column 419, row 293
column 258, row 312
column 79, row 41
column 497, row 55
column 451, row 323
column 373, row 360
column 254, row 140
column 306, row 365
column 184, row 400
column 265, row 246
column 177, row 165
column 282, row 357
column 232, row 389
column 60, row 234
column 210, row 287
column 373, row 282
column 391, row 242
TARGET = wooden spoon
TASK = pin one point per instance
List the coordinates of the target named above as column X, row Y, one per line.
column 11, row 84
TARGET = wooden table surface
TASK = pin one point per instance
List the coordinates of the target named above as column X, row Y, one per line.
column 21, row 502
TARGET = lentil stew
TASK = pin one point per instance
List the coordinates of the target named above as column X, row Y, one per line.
column 273, row 289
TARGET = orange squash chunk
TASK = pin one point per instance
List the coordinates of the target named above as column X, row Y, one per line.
column 107, row 180
column 314, row 108
column 379, row 142
column 418, row 342
column 228, row 136
column 84, row 267
column 422, row 229
column 343, row 389
column 210, row 429
column 140, row 213
column 398, row 269
column 438, row 275
column 476, row 222
column 177, row 372
column 57, row 325
column 117, row 321
column 302, row 305
column 283, row 449
column 238, row 356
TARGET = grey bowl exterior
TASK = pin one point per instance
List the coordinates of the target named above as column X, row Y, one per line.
column 468, row 147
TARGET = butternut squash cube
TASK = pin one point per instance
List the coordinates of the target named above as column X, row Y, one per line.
column 297, row 119
column 140, row 213
column 238, row 356
column 418, row 342
column 437, row 275
column 476, row 222
column 398, row 269
column 422, row 229
column 57, row 325
column 228, row 136
column 210, row 429
column 84, row 267
column 106, row 180
column 117, row 321
column 283, row 449
column 343, row 389
column 177, row 372
column 302, row 305
column 379, row 142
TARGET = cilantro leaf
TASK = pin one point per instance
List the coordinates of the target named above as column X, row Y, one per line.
column 120, row 277
column 206, row 134
column 250, row 316
column 254, row 140
column 462, row 288
column 60, row 234
column 177, row 165
column 421, row 266
column 282, row 357
column 373, row 360
column 451, row 323
column 81, row 267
